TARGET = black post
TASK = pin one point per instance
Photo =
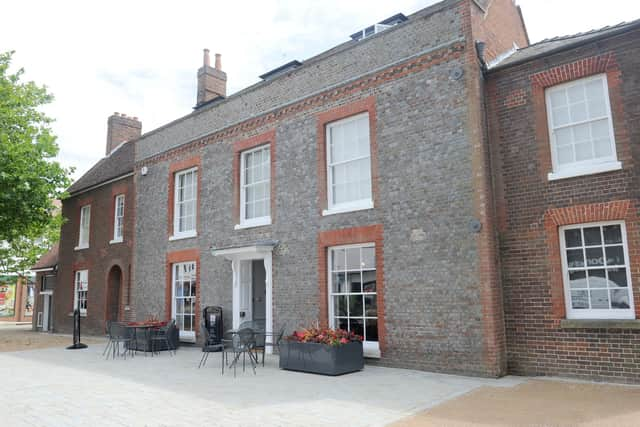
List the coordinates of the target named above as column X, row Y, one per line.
column 76, row 332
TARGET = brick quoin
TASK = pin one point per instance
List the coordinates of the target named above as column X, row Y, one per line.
column 186, row 255
column 174, row 168
column 350, row 236
column 367, row 105
column 247, row 144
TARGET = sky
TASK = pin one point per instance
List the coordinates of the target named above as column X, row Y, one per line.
column 141, row 57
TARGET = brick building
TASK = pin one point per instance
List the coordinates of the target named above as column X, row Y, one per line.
column 94, row 257
column 351, row 188
column 564, row 132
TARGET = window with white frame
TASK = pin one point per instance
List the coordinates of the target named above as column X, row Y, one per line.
column 255, row 186
column 184, row 299
column 581, row 128
column 596, row 272
column 85, row 225
column 118, row 218
column 349, row 164
column 81, row 288
column 353, row 303
column 185, row 203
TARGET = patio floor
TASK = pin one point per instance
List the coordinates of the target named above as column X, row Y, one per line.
column 57, row 387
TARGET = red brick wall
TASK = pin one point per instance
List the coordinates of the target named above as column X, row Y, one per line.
column 99, row 258
column 530, row 209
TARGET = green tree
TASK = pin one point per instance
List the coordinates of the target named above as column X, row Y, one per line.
column 30, row 180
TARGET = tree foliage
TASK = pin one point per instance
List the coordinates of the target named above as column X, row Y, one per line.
column 30, row 180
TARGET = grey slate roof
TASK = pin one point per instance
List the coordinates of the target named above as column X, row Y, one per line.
column 119, row 162
column 549, row 46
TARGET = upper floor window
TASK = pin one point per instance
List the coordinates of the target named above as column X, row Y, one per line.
column 185, row 203
column 581, row 128
column 349, row 164
column 255, row 186
column 596, row 272
column 118, row 218
column 81, row 290
column 85, row 224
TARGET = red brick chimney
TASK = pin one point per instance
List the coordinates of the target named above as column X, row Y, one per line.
column 212, row 81
column 121, row 128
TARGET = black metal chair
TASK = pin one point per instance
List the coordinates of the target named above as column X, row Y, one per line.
column 160, row 335
column 240, row 344
column 211, row 344
column 274, row 343
column 120, row 333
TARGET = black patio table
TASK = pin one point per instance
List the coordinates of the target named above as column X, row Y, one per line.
column 141, row 334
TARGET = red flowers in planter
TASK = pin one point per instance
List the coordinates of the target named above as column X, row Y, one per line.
column 324, row 336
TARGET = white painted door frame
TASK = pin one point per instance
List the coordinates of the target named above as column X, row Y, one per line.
column 250, row 253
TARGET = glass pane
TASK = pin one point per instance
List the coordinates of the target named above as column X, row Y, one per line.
column 338, row 259
column 573, row 238
column 581, row 133
column 354, row 282
column 619, row 298
column 594, row 257
column 558, row 98
column 583, row 151
column 578, row 112
column 600, row 299
column 179, row 292
column 355, row 306
column 369, row 281
column 617, row 277
column 579, row 299
column 564, row 137
column 188, row 326
column 615, row 255
column 341, row 323
column 565, row 154
column 369, row 257
column 187, row 307
column 602, row 148
column 338, row 283
column 340, row 305
column 353, row 259
column 592, row 236
column 179, row 306
column 575, row 93
column 356, row 326
column 179, row 323
column 577, row 279
column 370, row 306
column 371, row 333
column 575, row 258
column 560, row 116
column 597, row 279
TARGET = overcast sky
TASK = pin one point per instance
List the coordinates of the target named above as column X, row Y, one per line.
column 141, row 58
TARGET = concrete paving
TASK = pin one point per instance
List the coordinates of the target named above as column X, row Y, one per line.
column 58, row 387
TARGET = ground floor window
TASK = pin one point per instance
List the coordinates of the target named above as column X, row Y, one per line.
column 595, row 263
column 353, row 293
column 184, row 299
column 81, row 291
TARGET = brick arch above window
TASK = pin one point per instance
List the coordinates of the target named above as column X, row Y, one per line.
column 554, row 218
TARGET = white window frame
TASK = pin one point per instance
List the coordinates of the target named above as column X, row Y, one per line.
column 84, row 231
column 370, row 348
column 585, row 167
column 356, row 205
column 118, row 219
column 177, row 234
column 79, row 275
column 185, row 335
column 596, row 314
column 258, row 221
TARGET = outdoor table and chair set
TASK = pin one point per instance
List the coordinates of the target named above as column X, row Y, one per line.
column 131, row 337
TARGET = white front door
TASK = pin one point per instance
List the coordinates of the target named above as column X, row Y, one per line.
column 183, row 306
column 45, row 312
column 245, row 309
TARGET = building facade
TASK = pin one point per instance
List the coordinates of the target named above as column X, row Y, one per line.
column 96, row 243
column 350, row 190
column 564, row 132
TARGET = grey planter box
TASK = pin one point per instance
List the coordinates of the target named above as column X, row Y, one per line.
column 321, row 358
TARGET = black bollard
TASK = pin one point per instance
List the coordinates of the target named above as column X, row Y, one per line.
column 76, row 332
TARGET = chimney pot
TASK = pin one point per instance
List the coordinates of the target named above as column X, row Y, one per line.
column 218, row 62
column 206, row 60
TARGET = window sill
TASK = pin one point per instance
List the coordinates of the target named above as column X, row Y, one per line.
column 600, row 324
column 183, row 236
column 114, row 241
column 349, row 208
column 585, row 170
column 79, row 248
column 252, row 224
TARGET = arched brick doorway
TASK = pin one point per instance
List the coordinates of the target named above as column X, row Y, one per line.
column 114, row 283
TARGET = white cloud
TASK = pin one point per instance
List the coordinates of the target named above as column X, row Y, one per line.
column 141, row 57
